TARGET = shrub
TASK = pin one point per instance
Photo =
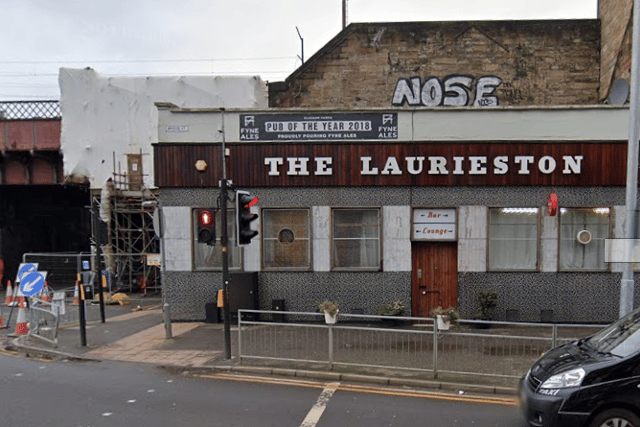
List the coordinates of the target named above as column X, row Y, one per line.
column 395, row 308
column 487, row 302
column 449, row 312
column 330, row 307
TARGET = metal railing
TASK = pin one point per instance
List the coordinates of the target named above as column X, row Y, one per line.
column 24, row 110
column 44, row 318
column 363, row 342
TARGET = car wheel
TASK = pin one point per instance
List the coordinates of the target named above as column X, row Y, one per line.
column 616, row 418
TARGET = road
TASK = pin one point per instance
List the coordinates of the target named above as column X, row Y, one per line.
column 108, row 394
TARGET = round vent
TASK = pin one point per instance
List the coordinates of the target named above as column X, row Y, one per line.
column 584, row 237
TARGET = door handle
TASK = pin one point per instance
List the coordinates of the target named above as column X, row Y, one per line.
column 424, row 290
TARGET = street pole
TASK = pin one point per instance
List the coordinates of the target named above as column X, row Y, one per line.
column 630, row 230
column 224, row 243
column 98, row 275
column 166, row 308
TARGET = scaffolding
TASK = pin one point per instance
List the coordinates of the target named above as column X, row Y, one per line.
column 130, row 247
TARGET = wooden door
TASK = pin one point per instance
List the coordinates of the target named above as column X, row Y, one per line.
column 434, row 276
column 134, row 168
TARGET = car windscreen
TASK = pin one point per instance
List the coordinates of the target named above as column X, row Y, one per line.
column 621, row 338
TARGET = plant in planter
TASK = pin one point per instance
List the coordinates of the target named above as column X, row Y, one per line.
column 487, row 302
column 330, row 309
column 444, row 316
column 395, row 308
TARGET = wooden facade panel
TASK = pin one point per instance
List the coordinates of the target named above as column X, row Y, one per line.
column 396, row 164
column 176, row 164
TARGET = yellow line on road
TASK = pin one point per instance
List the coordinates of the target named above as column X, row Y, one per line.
column 431, row 395
column 258, row 379
column 365, row 389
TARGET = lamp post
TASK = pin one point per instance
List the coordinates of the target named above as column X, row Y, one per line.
column 627, row 282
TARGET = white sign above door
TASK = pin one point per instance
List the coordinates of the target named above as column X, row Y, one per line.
column 434, row 224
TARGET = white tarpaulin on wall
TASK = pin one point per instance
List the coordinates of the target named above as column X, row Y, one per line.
column 107, row 117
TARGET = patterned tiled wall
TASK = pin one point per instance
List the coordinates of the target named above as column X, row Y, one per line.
column 188, row 292
column 573, row 297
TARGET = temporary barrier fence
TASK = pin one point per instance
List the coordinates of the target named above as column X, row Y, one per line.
column 469, row 347
column 63, row 269
column 44, row 318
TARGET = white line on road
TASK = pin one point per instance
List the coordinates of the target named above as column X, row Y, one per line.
column 321, row 404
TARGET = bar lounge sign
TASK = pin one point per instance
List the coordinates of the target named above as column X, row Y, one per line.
column 434, row 224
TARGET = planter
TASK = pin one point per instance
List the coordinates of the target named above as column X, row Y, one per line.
column 477, row 325
column 444, row 322
column 329, row 319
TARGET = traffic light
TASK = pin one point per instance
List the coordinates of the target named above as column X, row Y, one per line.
column 244, row 217
column 206, row 223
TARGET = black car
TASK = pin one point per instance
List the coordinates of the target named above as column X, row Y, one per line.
column 591, row 382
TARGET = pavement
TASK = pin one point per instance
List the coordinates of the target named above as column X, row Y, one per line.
column 136, row 333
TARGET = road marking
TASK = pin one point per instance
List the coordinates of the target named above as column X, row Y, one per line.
column 263, row 380
column 431, row 395
column 317, row 410
column 423, row 394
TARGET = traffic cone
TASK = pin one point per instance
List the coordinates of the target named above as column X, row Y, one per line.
column 22, row 326
column 9, row 297
column 76, row 295
column 18, row 297
column 46, row 293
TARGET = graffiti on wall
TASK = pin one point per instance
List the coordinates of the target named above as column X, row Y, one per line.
column 454, row 91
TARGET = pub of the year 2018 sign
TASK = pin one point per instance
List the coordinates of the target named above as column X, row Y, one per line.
column 319, row 126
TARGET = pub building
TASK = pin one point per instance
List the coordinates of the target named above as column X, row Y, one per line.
column 416, row 161
column 427, row 206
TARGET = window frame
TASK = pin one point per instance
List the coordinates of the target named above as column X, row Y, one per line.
column 309, row 238
column 538, row 242
column 231, row 242
column 609, row 235
column 379, row 267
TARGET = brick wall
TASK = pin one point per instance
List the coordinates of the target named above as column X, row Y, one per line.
column 616, row 20
column 535, row 62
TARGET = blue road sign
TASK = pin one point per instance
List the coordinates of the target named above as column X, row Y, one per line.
column 24, row 269
column 32, row 283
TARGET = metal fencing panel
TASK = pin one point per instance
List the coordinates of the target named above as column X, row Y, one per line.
column 479, row 348
column 62, row 268
column 43, row 321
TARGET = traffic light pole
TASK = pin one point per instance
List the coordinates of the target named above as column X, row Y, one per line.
column 224, row 242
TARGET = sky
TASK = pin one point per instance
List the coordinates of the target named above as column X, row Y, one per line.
column 208, row 37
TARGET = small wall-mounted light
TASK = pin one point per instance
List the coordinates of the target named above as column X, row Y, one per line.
column 552, row 204
column 201, row 165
